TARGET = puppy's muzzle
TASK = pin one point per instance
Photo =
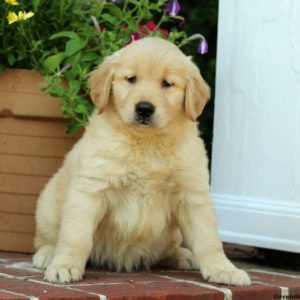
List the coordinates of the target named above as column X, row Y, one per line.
column 144, row 111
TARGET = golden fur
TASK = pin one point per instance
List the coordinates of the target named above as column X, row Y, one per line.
column 129, row 194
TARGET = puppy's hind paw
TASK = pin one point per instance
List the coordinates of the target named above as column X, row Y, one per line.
column 43, row 257
column 63, row 274
column 181, row 258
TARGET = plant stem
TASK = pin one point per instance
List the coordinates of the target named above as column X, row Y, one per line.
column 61, row 11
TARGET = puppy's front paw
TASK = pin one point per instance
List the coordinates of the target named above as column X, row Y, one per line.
column 232, row 276
column 63, row 273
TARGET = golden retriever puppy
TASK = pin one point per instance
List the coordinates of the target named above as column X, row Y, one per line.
column 136, row 185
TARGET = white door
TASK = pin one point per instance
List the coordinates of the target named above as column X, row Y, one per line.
column 256, row 144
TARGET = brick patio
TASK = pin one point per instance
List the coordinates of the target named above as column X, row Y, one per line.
column 18, row 280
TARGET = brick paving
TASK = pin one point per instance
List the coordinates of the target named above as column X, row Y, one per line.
column 19, row 280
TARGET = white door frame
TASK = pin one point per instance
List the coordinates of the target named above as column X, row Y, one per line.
column 256, row 143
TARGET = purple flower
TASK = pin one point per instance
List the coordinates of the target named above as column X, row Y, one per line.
column 134, row 37
column 173, row 8
column 202, row 46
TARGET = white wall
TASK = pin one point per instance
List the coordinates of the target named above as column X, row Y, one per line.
column 256, row 145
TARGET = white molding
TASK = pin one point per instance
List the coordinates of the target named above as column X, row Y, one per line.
column 258, row 222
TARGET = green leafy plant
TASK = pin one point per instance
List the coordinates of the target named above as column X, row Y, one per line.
column 203, row 14
column 65, row 40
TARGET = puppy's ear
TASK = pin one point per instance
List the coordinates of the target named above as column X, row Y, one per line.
column 100, row 83
column 197, row 93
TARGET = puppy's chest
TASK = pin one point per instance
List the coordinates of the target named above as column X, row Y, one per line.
column 144, row 177
column 142, row 197
column 143, row 185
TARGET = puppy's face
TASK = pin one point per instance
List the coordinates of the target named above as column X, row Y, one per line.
column 149, row 83
column 147, row 89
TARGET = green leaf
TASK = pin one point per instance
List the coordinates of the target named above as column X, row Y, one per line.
column 89, row 57
column 109, row 18
column 115, row 10
column 74, row 86
column 57, row 91
column 73, row 127
column 74, row 45
column 68, row 34
column 2, row 68
column 135, row 2
column 52, row 62
column 66, row 109
column 74, row 60
column 21, row 56
column 11, row 59
column 81, row 109
column 115, row 48
column 36, row 4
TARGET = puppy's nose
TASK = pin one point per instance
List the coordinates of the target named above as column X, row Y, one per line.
column 145, row 109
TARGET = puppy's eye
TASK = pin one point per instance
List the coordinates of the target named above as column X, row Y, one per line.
column 166, row 84
column 131, row 79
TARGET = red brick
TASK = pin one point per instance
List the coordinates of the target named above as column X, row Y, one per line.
column 154, row 290
column 12, row 255
column 12, row 261
column 9, row 296
column 254, row 292
column 95, row 276
column 44, row 291
column 194, row 276
column 278, row 279
column 158, row 284
column 18, row 265
column 6, row 269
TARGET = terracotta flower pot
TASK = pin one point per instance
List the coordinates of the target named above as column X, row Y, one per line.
column 32, row 145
